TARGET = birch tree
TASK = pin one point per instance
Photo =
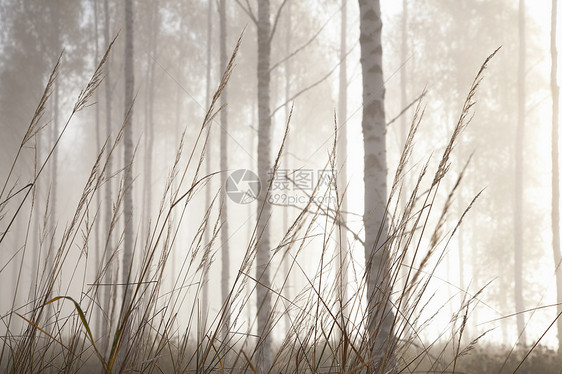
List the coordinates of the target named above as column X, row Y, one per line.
column 265, row 33
column 108, row 181
column 149, row 114
column 53, row 190
column 225, row 256
column 205, row 296
column 264, row 161
column 128, row 239
column 128, row 141
column 555, row 172
column 518, row 217
column 99, row 250
column 287, row 259
column 379, row 313
column 342, row 153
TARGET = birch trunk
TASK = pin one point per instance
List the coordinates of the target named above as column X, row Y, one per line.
column 98, row 265
column 205, row 296
column 403, row 72
column 379, row 313
column 286, row 258
column 518, row 221
column 149, row 120
column 555, row 172
column 36, row 219
column 225, row 256
column 128, row 239
column 403, row 134
column 342, row 173
column 128, row 140
column 108, row 182
column 52, row 199
column 264, row 161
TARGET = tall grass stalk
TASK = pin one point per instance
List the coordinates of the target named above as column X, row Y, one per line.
column 167, row 331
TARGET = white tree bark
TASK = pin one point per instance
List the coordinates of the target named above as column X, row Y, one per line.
column 380, row 316
column 403, row 134
column 225, row 254
column 555, row 172
column 518, row 217
column 287, row 259
column 264, row 164
column 128, row 140
column 205, row 296
column 54, row 135
column 149, row 117
column 108, row 182
column 342, row 156
column 99, row 249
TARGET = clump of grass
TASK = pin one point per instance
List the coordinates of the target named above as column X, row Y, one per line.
column 55, row 330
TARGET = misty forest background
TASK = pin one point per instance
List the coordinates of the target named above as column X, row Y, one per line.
column 121, row 248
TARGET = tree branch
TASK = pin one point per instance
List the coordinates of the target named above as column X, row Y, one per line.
column 276, row 20
column 313, row 84
column 313, row 38
column 421, row 96
column 248, row 10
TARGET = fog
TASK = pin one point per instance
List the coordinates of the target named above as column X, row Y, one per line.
column 279, row 186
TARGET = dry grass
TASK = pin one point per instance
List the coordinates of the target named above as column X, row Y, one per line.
column 53, row 332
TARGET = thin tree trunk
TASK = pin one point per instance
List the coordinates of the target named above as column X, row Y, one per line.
column 54, row 136
column 128, row 243
column 342, row 173
column 128, row 141
column 149, row 120
column 249, row 287
column 16, row 274
column 404, row 94
column 404, row 73
column 98, row 251
column 50, row 252
column 36, row 268
column 54, row 175
column 225, row 254
column 108, row 182
column 172, row 261
column 518, row 221
column 287, row 259
column 555, row 173
column 507, row 97
column 460, row 241
column 205, row 296
column 379, row 312
column 98, row 125
column 264, row 163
